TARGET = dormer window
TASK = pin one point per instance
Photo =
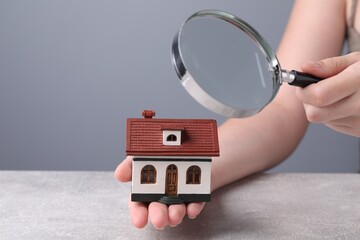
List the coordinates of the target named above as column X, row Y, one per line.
column 172, row 137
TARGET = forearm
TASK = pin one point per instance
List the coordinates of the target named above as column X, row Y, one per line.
column 255, row 144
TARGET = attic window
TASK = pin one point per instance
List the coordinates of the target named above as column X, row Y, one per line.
column 171, row 137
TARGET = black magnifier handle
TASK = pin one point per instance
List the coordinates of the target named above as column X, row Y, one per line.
column 299, row 79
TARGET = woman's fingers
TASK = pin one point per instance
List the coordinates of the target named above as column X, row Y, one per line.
column 138, row 214
column 335, row 101
column 348, row 125
column 158, row 214
column 346, row 107
column 194, row 209
column 161, row 215
column 330, row 66
column 342, row 79
column 176, row 214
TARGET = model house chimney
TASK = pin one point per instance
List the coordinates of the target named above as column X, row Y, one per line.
column 148, row 113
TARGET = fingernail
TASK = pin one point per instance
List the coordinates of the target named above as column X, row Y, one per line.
column 192, row 217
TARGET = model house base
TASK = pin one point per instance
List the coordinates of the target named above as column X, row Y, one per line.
column 168, row 200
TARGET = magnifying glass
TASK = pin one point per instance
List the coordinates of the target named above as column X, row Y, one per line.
column 227, row 66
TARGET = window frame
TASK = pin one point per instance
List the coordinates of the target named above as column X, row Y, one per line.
column 148, row 174
column 193, row 175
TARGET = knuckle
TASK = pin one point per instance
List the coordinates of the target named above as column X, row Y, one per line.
column 312, row 114
column 313, row 118
column 336, row 63
column 320, row 97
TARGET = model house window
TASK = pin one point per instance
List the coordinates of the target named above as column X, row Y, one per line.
column 148, row 174
column 172, row 137
column 193, row 175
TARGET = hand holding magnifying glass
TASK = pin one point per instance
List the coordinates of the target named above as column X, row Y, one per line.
column 227, row 66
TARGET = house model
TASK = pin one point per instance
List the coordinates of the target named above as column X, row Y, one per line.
column 171, row 158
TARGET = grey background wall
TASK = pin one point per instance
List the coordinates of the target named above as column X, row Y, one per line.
column 71, row 72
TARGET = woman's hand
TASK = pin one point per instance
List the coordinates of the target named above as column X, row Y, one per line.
column 335, row 101
column 160, row 215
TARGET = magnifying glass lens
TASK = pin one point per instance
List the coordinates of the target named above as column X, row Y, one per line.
column 227, row 66
column 226, row 63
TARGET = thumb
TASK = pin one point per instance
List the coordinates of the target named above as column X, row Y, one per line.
column 330, row 66
column 123, row 171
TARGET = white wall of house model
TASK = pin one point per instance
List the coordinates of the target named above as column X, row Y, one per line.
column 182, row 166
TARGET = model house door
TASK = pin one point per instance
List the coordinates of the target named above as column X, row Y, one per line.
column 171, row 180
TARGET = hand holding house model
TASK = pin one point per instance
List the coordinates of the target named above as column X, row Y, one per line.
column 171, row 158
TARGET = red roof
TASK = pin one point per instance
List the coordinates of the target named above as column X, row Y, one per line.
column 144, row 137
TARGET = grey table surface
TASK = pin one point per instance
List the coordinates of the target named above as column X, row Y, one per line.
column 92, row 205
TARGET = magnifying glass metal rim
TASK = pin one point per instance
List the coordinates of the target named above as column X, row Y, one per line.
column 197, row 92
